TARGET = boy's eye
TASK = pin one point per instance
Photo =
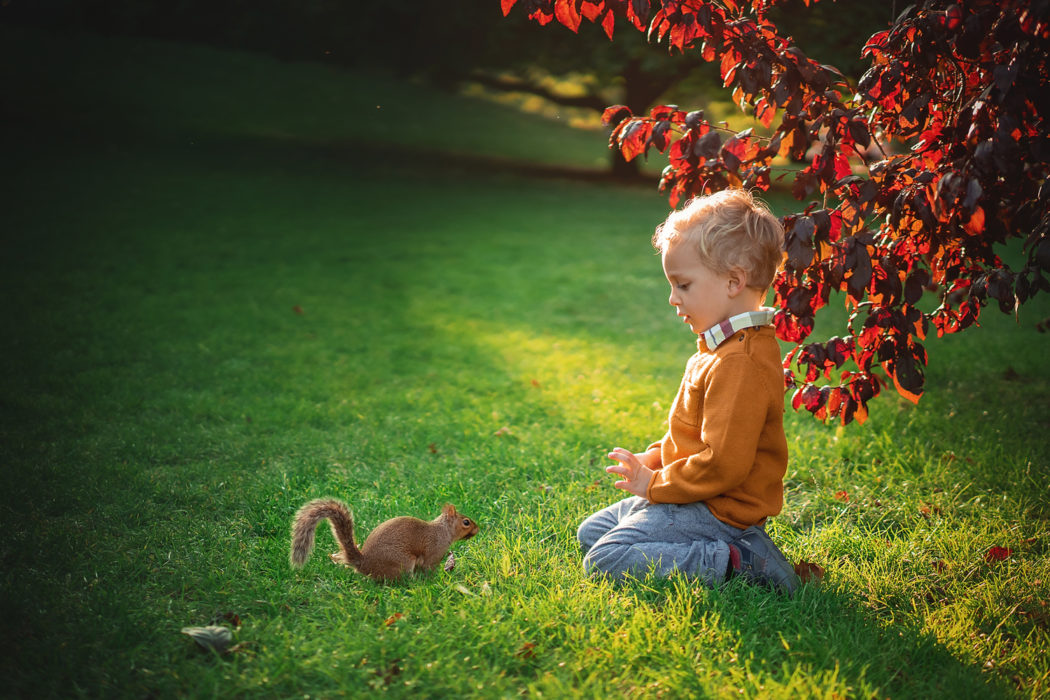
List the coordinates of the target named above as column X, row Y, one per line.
column 684, row 287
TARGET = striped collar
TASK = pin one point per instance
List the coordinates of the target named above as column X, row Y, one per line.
column 716, row 335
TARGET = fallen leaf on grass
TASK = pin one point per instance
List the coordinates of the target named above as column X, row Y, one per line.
column 384, row 678
column 298, row 309
column 393, row 618
column 995, row 554
column 809, row 572
column 929, row 510
column 233, row 618
column 842, row 496
column 213, row 637
column 502, row 431
column 527, row 650
column 450, row 563
column 463, row 589
column 433, row 448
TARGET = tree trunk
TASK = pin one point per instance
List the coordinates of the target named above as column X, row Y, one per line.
column 641, row 89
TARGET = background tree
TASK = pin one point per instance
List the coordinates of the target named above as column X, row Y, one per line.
column 961, row 87
column 424, row 41
column 417, row 40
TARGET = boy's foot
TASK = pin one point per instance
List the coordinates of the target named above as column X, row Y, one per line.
column 754, row 556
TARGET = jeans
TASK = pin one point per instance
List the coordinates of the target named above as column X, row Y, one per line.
column 634, row 536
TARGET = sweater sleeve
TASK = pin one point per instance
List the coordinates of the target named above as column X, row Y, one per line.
column 658, row 444
column 735, row 406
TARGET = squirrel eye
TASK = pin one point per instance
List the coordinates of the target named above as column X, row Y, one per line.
column 466, row 522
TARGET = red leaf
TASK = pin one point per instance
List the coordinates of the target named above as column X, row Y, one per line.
column 765, row 112
column 591, row 10
column 791, row 329
column 997, row 554
column 565, row 12
column 975, row 226
column 541, row 18
column 809, row 572
column 507, row 4
column 393, row 618
column 633, row 139
column 233, row 618
column 842, row 496
column 608, row 23
column 612, row 116
column 526, row 651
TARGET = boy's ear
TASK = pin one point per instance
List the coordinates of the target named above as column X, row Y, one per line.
column 737, row 281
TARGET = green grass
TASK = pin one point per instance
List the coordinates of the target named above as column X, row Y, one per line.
column 208, row 323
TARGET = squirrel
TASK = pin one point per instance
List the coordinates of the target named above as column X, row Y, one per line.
column 395, row 548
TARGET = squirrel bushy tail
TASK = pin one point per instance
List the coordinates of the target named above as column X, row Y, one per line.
column 305, row 524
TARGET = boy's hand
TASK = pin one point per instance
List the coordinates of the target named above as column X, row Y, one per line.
column 636, row 476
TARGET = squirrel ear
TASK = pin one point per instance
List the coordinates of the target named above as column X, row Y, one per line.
column 449, row 510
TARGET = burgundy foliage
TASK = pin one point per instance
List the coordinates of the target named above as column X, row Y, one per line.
column 910, row 177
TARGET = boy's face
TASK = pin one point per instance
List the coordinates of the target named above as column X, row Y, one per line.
column 699, row 294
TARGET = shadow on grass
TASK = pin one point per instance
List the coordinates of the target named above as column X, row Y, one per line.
column 820, row 640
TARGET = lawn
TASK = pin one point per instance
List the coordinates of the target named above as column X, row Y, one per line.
column 228, row 291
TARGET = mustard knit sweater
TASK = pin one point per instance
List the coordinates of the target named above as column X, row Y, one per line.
column 725, row 441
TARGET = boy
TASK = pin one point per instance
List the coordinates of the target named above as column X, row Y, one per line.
column 702, row 493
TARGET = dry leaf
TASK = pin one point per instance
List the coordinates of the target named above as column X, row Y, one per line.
column 298, row 309
column 463, row 589
column 997, row 554
column 502, row 431
column 233, row 618
column 386, row 677
column 393, row 618
column 527, row 650
column 433, row 448
column 213, row 637
column 450, row 563
column 809, row 572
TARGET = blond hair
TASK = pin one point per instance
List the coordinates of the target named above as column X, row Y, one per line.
column 730, row 230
